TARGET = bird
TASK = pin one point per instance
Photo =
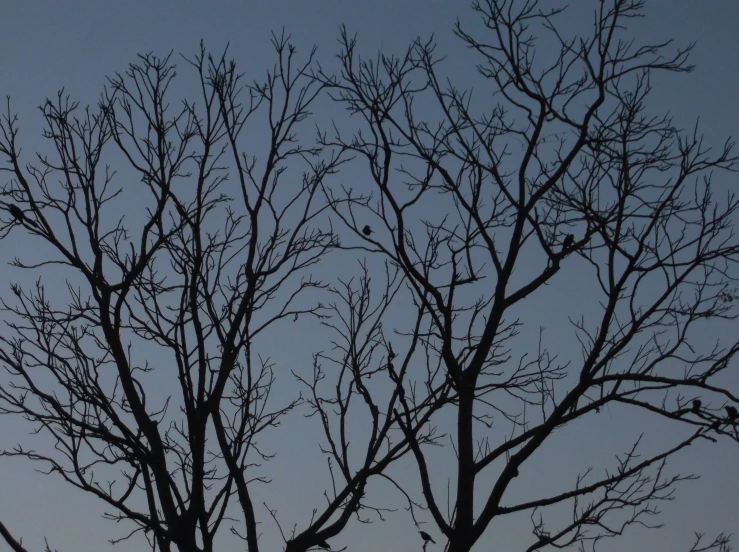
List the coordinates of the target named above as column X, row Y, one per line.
column 391, row 354
column 568, row 241
column 323, row 544
column 731, row 413
column 16, row 212
column 367, row 230
column 426, row 537
column 696, row 406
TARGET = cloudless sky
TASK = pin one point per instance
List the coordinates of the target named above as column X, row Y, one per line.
column 75, row 44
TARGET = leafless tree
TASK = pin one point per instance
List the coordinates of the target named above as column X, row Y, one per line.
column 484, row 207
column 475, row 210
column 192, row 261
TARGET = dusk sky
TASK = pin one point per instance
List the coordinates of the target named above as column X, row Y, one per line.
column 76, row 44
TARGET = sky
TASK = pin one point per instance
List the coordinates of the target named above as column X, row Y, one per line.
column 75, row 44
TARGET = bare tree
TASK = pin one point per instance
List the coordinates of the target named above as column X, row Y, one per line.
column 481, row 207
column 191, row 262
column 475, row 211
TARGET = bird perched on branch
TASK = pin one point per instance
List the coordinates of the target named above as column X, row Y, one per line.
column 426, row 537
column 16, row 212
column 324, row 545
column 731, row 413
column 367, row 230
column 568, row 241
column 696, row 406
column 19, row 215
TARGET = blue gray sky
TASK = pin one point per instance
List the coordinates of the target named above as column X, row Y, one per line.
column 75, row 44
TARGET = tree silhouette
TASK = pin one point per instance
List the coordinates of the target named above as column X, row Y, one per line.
column 481, row 210
column 658, row 253
column 196, row 278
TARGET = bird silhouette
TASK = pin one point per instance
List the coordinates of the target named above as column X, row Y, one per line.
column 731, row 413
column 567, row 243
column 696, row 406
column 426, row 537
column 367, row 230
column 323, row 544
column 16, row 212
